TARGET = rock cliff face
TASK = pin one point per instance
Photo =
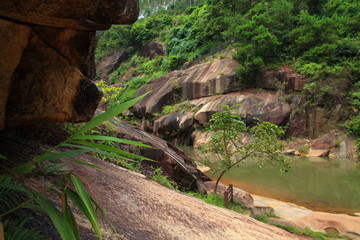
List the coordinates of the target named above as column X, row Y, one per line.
column 198, row 91
column 47, row 57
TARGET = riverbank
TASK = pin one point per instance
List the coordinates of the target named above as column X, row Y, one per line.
column 300, row 217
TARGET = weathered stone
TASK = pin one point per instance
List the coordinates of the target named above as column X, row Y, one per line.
column 173, row 124
column 153, row 49
column 285, row 78
column 297, row 119
column 175, row 164
column 110, row 63
column 80, row 15
column 215, row 77
column 321, row 120
column 13, row 40
column 253, row 104
column 47, row 88
column 77, row 47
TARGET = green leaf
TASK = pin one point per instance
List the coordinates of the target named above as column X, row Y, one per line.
column 110, row 149
column 107, row 115
column 69, row 216
column 90, row 149
column 2, row 157
column 59, row 221
column 85, row 163
column 58, row 155
column 114, row 139
column 88, row 204
column 23, row 169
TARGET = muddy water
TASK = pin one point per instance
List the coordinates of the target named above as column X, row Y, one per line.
column 321, row 184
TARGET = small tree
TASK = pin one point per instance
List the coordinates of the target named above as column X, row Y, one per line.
column 228, row 131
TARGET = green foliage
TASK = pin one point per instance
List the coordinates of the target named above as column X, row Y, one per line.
column 227, row 131
column 159, row 177
column 17, row 230
column 109, row 92
column 306, row 232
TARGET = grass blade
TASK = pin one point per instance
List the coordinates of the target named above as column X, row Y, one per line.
column 59, row 221
column 110, row 149
column 90, row 149
column 2, row 157
column 85, row 163
column 58, row 155
column 114, row 139
column 107, row 115
column 23, row 169
column 88, row 204
column 69, row 216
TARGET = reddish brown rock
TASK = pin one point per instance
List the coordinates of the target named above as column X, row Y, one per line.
column 13, row 40
column 110, row 63
column 285, row 78
column 321, row 120
column 77, row 47
column 48, row 88
column 153, row 49
column 215, row 77
column 51, row 82
column 80, row 15
column 253, row 104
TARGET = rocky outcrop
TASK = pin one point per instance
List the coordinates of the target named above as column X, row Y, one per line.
column 153, row 49
column 142, row 209
column 252, row 103
column 174, row 163
column 80, row 15
column 47, row 58
column 202, row 80
column 285, row 78
column 110, row 63
column 331, row 144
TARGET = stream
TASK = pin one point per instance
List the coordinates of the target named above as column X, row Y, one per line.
column 320, row 184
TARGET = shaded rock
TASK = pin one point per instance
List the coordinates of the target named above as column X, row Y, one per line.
column 321, row 120
column 110, row 63
column 283, row 79
column 48, row 58
column 215, row 77
column 175, row 164
column 173, row 124
column 49, row 90
column 153, row 49
column 13, row 40
column 297, row 119
column 80, row 15
column 77, row 47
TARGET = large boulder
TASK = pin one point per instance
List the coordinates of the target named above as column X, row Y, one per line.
column 153, row 49
column 252, row 103
column 48, row 59
column 80, row 15
column 202, row 80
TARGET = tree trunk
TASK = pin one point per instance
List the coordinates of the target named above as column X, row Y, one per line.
column 218, row 180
